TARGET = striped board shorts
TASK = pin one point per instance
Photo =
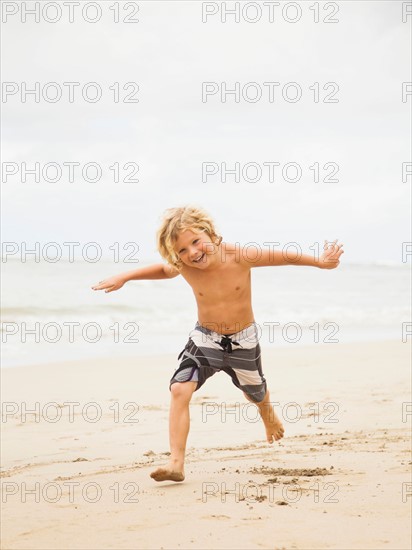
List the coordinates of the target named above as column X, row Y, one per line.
column 238, row 354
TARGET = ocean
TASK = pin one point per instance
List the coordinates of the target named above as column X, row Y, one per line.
column 49, row 312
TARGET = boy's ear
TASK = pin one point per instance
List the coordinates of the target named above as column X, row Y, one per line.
column 218, row 240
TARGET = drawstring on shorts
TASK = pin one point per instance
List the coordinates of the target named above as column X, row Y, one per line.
column 226, row 343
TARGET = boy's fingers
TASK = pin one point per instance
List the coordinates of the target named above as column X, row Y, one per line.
column 99, row 286
column 331, row 244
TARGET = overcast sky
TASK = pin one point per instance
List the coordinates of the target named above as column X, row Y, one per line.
column 170, row 132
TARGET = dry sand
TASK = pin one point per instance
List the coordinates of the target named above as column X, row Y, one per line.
column 77, row 476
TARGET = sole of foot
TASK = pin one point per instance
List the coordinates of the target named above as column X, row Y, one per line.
column 164, row 474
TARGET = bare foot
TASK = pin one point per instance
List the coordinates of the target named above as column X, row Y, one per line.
column 167, row 474
column 273, row 425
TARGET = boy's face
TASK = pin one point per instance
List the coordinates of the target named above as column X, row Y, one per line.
column 195, row 249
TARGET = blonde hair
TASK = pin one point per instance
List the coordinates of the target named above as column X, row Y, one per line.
column 176, row 220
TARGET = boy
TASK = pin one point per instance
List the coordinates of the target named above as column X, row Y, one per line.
column 225, row 335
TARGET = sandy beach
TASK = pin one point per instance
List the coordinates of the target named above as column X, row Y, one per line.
column 75, row 470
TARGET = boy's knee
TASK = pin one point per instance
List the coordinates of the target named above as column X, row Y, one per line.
column 258, row 397
column 183, row 390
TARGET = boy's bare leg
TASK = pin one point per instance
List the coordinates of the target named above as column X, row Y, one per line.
column 179, row 422
column 273, row 425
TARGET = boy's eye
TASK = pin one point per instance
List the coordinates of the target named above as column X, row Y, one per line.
column 195, row 241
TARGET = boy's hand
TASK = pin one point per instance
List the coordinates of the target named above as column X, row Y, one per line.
column 330, row 258
column 108, row 285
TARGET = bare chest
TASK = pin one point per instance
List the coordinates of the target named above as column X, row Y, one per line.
column 230, row 283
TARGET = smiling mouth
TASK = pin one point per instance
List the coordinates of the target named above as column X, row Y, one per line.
column 199, row 259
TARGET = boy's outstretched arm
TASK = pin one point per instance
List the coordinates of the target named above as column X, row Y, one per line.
column 155, row 271
column 256, row 257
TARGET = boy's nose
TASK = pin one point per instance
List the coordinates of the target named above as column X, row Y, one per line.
column 194, row 253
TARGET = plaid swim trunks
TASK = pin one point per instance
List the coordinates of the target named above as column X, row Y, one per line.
column 208, row 352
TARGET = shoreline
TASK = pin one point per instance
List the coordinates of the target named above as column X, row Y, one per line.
column 172, row 355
